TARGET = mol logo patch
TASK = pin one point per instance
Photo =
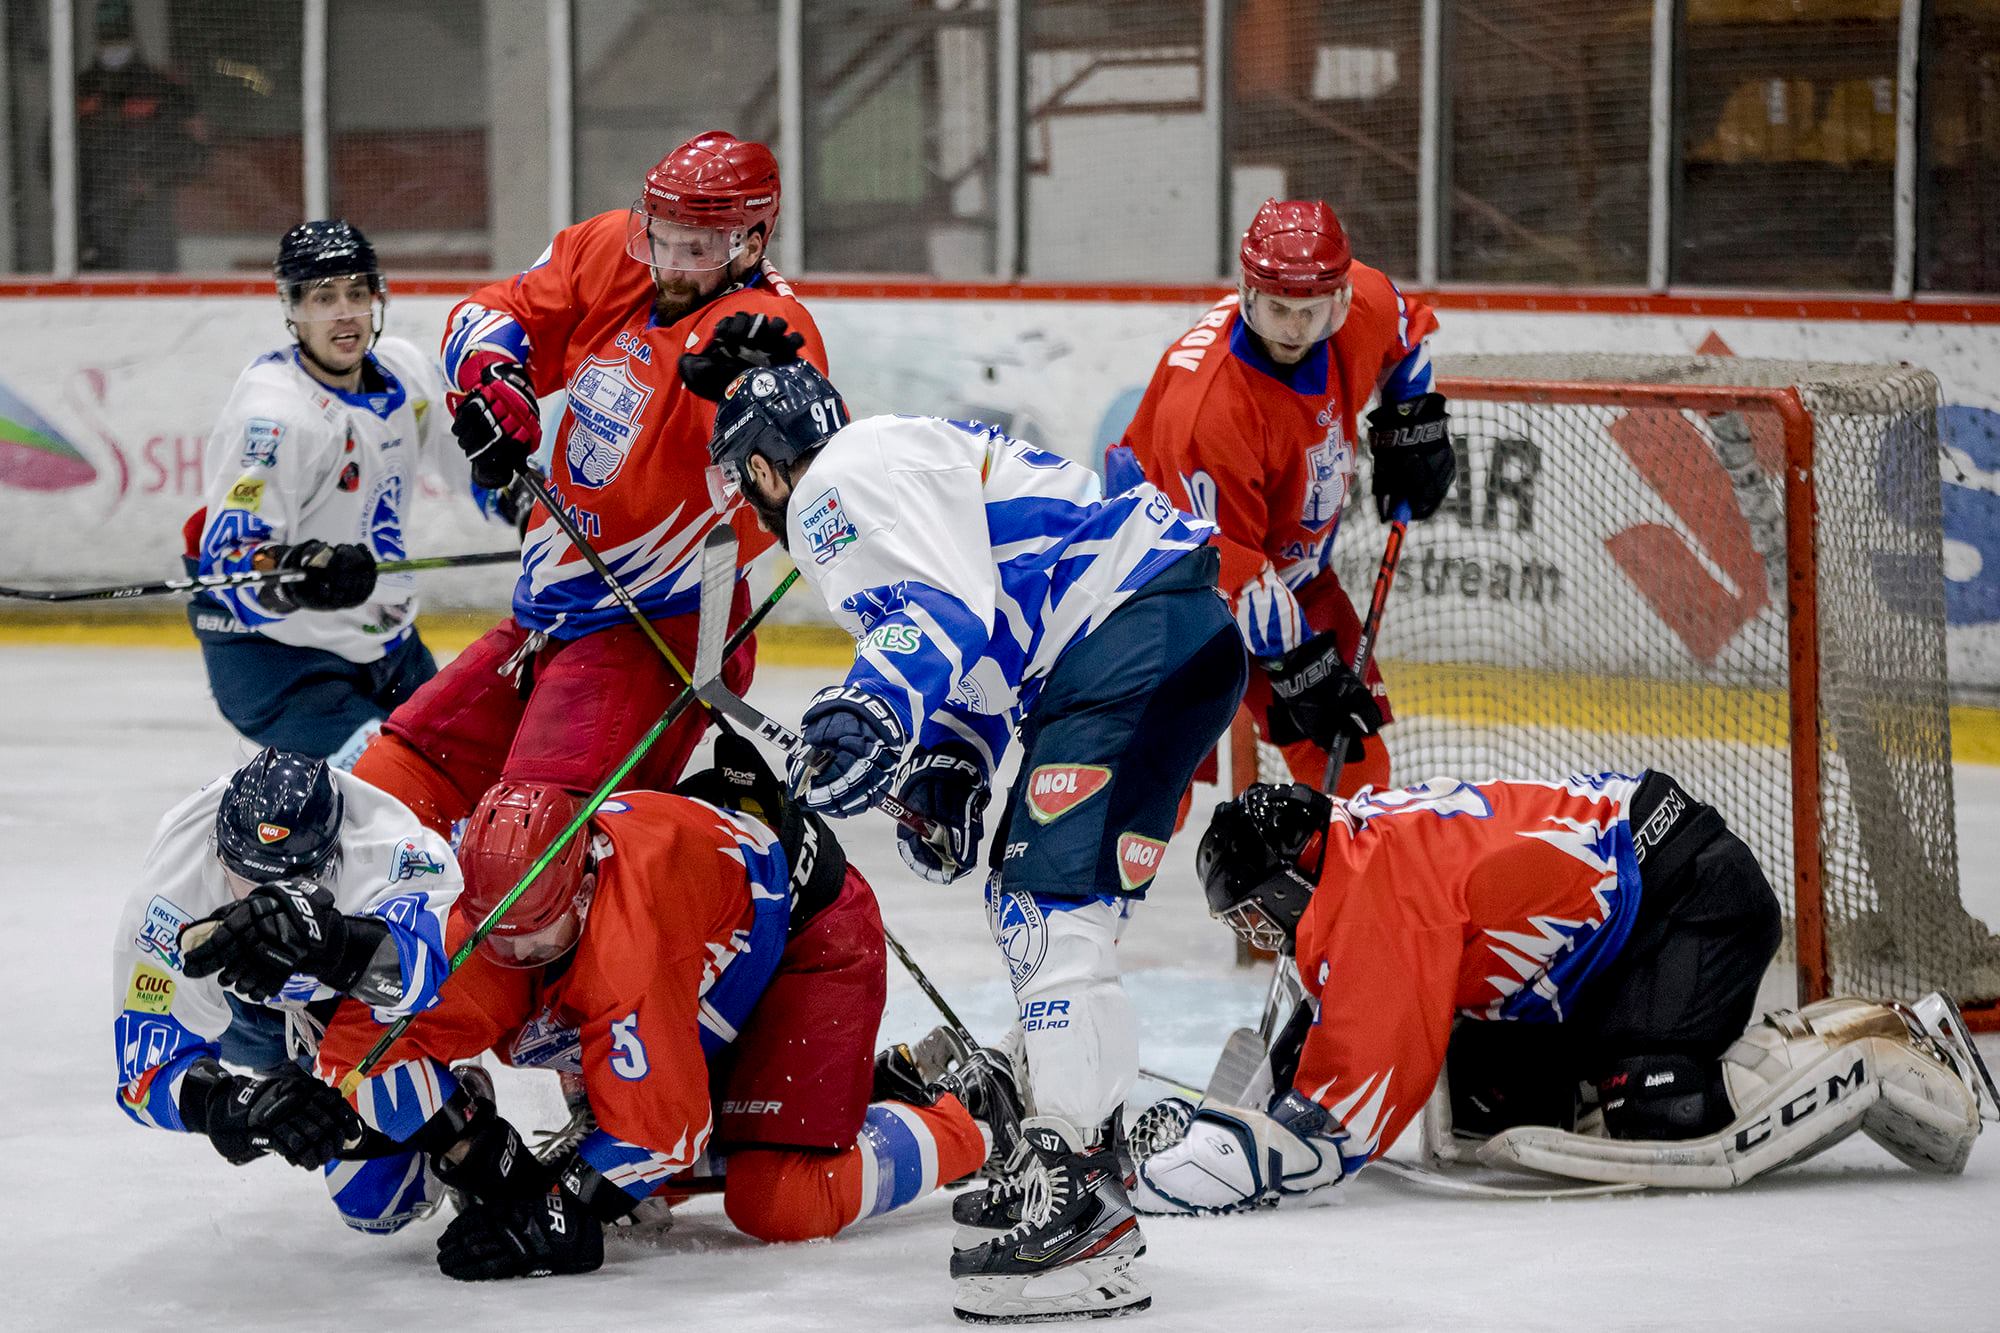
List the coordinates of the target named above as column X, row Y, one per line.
column 270, row 833
column 1138, row 860
column 1056, row 789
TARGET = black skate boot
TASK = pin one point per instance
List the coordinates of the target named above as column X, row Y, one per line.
column 1070, row 1256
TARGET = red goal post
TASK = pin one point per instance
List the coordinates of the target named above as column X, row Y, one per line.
column 1728, row 569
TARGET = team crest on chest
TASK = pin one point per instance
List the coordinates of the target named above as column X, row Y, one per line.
column 828, row 530
column 1329, row 465
column 606, row 405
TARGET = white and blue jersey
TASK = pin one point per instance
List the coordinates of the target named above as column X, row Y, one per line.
column 391, row 867
column 291, row 459
column 966, row 563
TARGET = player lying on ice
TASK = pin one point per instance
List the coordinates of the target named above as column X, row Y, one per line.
column 990, row 583
column 266, row 897
column 715, row 974
column 1603, row 929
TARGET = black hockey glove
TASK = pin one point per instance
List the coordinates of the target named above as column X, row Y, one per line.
column 257, row 943
column 741, row 342
column 485, row 1159
column 550, row 1234
column 1414, row 463
column 853, row 742
column 498, row 424
column 336, row 577
column 293, row 1115
column 949, row 785
column 1316, row 696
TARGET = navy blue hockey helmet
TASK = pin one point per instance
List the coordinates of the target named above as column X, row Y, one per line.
column 280, row 818
column 1250, row 861
column 781, row 412
column 328, row 248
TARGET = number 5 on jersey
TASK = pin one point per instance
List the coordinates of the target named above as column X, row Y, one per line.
column 628, row 1053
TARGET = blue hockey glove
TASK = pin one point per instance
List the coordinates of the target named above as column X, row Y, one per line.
column 947, row 784
column 851, row 744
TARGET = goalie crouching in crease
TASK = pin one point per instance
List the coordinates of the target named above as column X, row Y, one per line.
column 713, row 969
column 1604, row 933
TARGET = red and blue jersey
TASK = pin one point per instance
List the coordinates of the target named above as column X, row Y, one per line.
column 631, row 454
column 1497, row 901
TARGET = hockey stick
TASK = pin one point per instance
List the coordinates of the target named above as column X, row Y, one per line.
column 248, row 578
column 924, row 985
column 540, row 490
column 1364, row 646
column 718, row 572
column 541, row 863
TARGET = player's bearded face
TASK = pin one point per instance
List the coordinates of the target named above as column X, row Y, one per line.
column 769, row 496
column 538, row 948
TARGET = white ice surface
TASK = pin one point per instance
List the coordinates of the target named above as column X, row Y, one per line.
column 107, row 1225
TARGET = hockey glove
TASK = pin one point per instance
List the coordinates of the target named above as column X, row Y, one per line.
column 1316, row 696
column 293, row 1115
column 486, row 1161
column 290, row 927
column 741, row 342
column 1270, row 617
column 1414, row 463
column 949, row 785
column 336, row 577
column 546, row 1235
column 497, row 423
column 851, row 742
column 1234, row 1158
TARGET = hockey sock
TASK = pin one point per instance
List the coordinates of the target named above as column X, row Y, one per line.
column 903, row 1153
column 397, row 767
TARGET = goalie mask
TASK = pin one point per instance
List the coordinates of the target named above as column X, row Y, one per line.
column 512, row 826
column 1260, row 860
column 279, row 819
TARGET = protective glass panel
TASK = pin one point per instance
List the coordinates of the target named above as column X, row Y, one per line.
column 1549, row 140
column 26, row 224
column 900, row 124
column 1119, row 148
column 651, row 75
column 1958, row 182
column 1324, row 105
column 408, row 122
column 1787, row 138
column 189, row 149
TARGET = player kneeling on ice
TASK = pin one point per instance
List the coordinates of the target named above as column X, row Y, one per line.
column 714, row 972
column 1607, row 930
column 990, row 584
column 266, row 897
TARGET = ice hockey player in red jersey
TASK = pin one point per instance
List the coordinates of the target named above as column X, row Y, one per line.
column 716, row 979
column 1251, row 421
column 560, row 690
column 1601, row 930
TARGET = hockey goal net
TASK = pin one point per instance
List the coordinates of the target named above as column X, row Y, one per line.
column 1727, row 569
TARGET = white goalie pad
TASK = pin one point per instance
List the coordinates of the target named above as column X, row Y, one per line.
column 1802, row 1082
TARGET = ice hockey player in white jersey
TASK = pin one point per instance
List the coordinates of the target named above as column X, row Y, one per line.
column 267, row 896
column 990, row 584
column 312, row 466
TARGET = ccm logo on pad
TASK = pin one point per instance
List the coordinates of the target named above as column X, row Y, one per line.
column 1056, row 789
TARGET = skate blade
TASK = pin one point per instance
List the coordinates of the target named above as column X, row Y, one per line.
column 1101, row 1288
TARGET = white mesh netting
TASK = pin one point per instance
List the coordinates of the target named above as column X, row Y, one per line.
column 1606, row 588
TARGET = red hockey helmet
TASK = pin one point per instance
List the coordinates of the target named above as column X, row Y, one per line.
column 512, row 825
column 1296, row 248
column 713, row 185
